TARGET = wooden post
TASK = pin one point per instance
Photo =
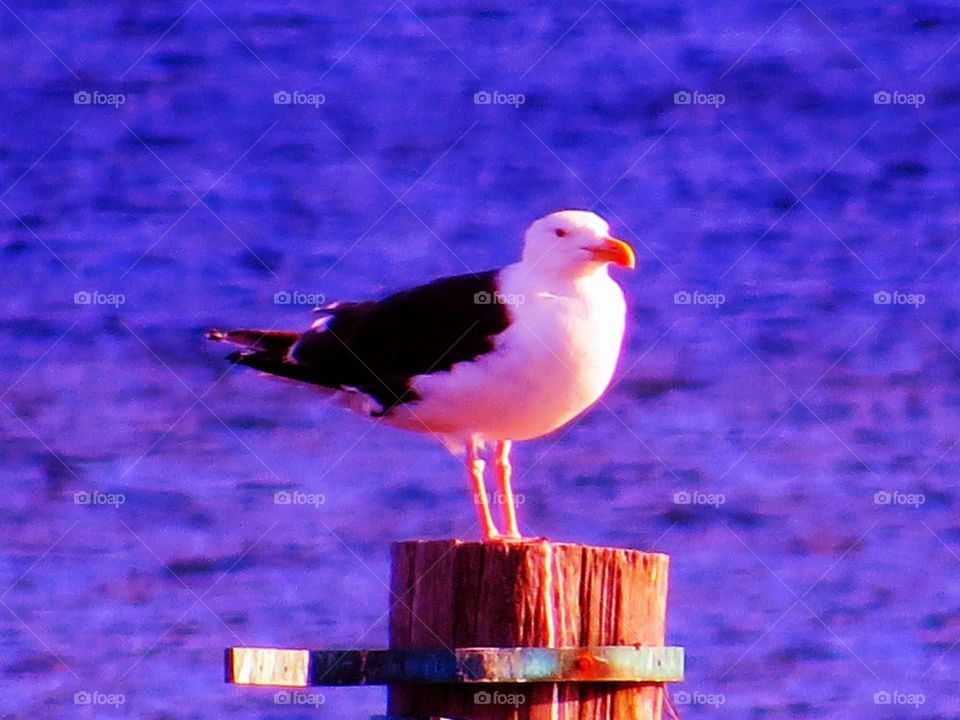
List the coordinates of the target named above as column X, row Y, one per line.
column 488, row 631
column 448, row 594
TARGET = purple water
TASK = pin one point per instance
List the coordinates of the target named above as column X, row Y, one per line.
column 796, row 399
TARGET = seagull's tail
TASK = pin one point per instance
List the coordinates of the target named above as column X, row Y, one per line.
column 264, row 350
column 256, row 340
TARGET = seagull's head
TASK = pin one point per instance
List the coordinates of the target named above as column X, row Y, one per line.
column 574, row 243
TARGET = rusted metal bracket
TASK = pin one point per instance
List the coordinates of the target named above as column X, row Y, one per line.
column 303, row 668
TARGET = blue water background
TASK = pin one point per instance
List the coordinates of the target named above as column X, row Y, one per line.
column 796, row 399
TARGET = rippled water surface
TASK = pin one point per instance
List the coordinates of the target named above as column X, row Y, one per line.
column 781, row 399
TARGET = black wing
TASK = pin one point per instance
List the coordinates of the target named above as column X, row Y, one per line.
column 377, row 347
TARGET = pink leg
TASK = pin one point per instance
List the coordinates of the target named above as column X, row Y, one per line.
column 504, row 473
column 476, row 465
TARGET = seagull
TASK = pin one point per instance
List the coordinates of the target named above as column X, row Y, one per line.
column 479, row 360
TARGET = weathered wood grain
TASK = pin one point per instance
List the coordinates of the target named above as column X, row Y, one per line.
column 268, row 666
column 449, row 594
column 477, row 666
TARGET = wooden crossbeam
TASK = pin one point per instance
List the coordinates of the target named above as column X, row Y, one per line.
column 268, row 666
column 300, row 668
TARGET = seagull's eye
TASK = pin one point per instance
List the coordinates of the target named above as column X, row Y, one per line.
column 560, row 232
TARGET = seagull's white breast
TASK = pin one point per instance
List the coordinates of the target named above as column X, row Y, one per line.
column 552, row 363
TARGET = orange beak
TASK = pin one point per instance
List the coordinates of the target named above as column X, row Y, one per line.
column 616, row 252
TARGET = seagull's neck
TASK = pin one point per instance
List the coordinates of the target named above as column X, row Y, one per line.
column 532, row 279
